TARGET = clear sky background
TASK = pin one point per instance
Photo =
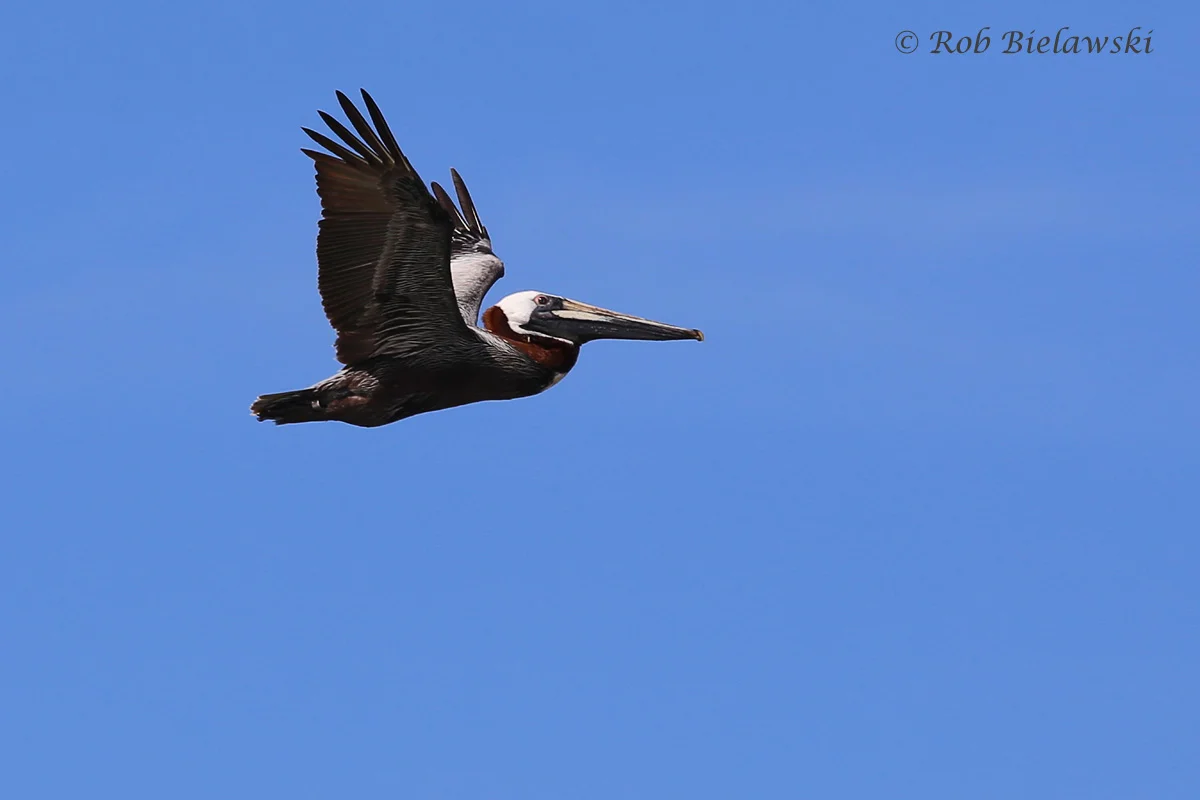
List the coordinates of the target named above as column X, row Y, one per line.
column 919, row 519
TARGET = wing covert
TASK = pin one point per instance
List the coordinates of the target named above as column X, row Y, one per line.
column 474, row 268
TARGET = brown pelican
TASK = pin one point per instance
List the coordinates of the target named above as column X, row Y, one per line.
column 402, row 274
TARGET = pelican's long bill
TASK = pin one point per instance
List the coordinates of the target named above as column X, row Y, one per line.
column 579, row 322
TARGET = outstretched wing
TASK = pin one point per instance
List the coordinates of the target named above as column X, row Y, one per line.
column 474, row 268
column 384, row 245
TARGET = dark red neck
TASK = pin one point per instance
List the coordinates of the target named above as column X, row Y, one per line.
column 554, row 354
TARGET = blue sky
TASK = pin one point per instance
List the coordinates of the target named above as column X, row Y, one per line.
column 917, row 520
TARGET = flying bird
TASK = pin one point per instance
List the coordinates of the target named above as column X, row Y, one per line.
column 402, row 273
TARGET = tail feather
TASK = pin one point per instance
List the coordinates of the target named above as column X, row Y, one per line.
column 288, row 407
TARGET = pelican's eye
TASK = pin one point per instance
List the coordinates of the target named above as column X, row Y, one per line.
column 542, row 300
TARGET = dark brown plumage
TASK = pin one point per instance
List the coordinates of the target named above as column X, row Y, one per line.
column 402, row 272
column 383, row 251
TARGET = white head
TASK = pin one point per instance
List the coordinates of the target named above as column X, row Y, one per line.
column 547, row 315
column 518, row 309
